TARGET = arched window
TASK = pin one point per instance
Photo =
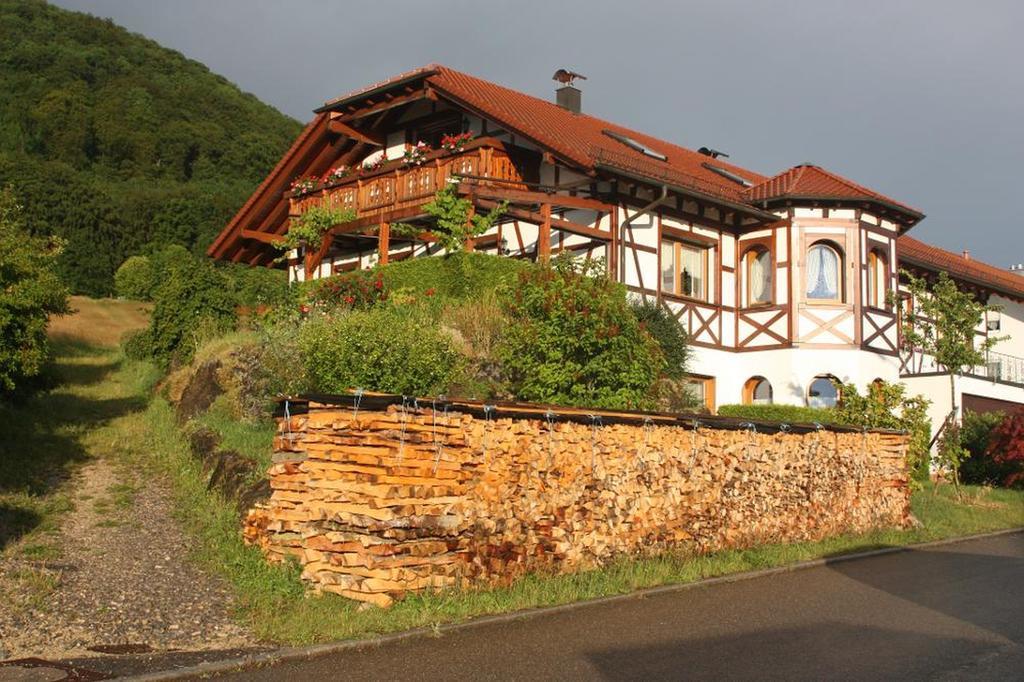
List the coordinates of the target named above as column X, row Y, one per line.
column 824, row 273
column 759, row 276
column 823, row 392
column 878, row 280
column 757, row 391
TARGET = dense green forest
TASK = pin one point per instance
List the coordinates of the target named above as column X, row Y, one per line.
column 120, row 145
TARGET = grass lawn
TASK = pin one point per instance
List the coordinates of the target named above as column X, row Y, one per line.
column 275, row 605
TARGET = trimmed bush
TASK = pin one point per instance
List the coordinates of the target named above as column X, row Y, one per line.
column 787, row 414
column 381, row 349
column 135, row 279
column 572, row 339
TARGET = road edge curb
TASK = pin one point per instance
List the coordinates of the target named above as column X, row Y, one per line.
column 293, row 654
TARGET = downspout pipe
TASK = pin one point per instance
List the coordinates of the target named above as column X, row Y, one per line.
column 620, row 266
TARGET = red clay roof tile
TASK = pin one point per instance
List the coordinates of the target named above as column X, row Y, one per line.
column 931, row 257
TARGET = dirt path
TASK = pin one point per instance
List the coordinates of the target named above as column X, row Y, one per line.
column 119, row 571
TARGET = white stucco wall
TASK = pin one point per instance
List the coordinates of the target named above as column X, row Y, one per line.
column 789, row 370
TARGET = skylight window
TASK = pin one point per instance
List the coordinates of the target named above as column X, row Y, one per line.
column 728, row 175
column 633, row 144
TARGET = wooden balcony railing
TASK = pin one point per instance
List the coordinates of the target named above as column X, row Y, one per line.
column 397, row 186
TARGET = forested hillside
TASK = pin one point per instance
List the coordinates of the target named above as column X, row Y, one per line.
column 120, row 145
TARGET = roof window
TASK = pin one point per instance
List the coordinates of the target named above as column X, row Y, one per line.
column 728, row 175
column 633, row 144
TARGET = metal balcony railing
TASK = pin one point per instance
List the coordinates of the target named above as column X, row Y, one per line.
column 1002, row 368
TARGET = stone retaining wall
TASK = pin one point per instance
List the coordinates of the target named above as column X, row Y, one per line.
column 377, row 503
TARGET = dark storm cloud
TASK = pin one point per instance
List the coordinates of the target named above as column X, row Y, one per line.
column 919, row 100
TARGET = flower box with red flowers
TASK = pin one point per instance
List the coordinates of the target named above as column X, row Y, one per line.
column 375, row 164
column 456, row 143
column 336, row 174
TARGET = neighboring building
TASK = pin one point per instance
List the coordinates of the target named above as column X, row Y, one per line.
column 781, row 281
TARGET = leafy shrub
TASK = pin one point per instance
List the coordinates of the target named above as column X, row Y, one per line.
column 30, row 291
column 572, row 339
column 980, row 467
column 670, row 335
column 138, row 345
column 1006, row 447
column 381, row 349
column 787, row 414
column 135, row 279
column 359, row 289
column 255, row 286
column 456, row 276
column 886, row 406
column 193, row 302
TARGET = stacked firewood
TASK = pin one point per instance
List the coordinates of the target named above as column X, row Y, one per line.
column 375, row 504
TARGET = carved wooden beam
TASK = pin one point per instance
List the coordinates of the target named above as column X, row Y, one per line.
column 341, row 128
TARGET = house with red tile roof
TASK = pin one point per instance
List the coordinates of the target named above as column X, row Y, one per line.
column 783, row 282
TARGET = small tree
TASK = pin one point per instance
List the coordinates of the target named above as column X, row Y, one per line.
column 942, row 324
column 455, row 222
column 30, row 291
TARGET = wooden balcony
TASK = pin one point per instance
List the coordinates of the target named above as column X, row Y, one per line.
column 396, row 189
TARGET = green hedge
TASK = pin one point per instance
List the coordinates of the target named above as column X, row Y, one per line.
column 381, row 349
column 787, row 414
column 459, row 275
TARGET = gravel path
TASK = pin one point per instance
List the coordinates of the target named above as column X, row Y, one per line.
column 124, row 577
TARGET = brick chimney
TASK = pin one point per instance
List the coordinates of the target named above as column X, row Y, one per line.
column 569, row 98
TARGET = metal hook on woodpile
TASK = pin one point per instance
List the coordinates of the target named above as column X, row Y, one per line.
column 595, row 420
column 488, row 424
column 356, row 400
column 403, row 419
column 549, row 417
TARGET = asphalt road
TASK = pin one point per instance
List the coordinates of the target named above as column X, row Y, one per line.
column 951, row 612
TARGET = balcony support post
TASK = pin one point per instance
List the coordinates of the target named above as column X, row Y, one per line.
column 544, row 234
column 383, row 242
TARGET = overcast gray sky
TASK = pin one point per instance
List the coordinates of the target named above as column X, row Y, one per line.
column 921, row 100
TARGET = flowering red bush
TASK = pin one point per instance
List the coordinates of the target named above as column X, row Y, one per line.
column 359, row 289
column 1006, row 446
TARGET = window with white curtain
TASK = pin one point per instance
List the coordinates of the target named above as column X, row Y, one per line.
column 824, row 273
column 759, row 277
column 686, row 270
